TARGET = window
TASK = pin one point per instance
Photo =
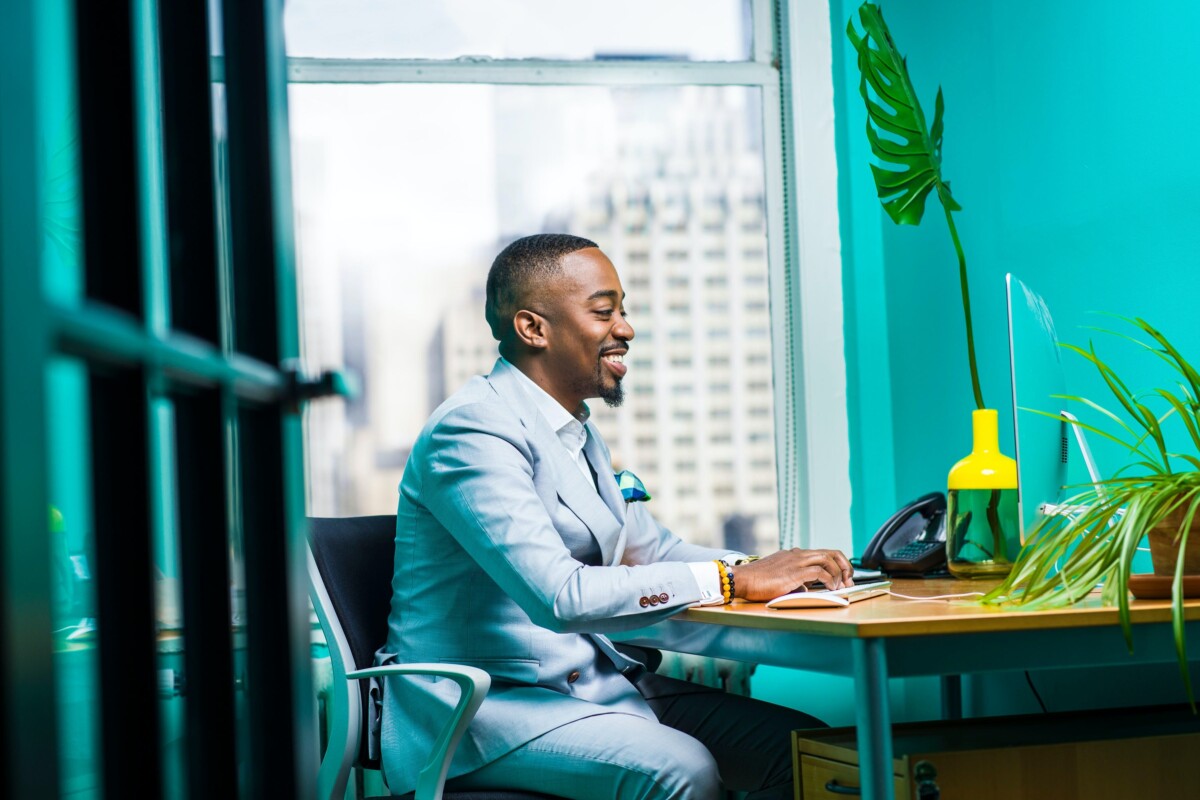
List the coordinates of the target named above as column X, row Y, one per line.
column 408, row 173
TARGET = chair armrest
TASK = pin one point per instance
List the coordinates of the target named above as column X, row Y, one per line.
column 473, row 684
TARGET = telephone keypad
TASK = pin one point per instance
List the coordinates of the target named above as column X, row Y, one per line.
column 914, row 550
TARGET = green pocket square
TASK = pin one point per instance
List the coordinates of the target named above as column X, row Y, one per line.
column 631, row 486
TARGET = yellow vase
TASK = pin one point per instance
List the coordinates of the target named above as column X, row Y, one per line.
column 983, row 532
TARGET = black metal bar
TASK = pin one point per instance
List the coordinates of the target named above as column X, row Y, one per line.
column 251, row 188
column 124, row 576
column 270, row 672
column 204, row 562
column 188, row 152
column 952, row 697
column 108, row 154
column 28, row 724
column 101, row 335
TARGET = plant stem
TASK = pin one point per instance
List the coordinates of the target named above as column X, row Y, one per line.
column 966, row 301
column 993, row 519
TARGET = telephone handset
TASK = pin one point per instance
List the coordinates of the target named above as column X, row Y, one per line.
column 912, row 541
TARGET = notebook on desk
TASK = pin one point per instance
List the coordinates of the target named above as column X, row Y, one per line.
column 830, row 598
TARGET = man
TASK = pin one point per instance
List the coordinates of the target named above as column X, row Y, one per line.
column 515, row 553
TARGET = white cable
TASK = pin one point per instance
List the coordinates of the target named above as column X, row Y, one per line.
column 937, row 596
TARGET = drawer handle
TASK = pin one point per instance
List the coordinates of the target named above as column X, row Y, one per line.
column 833, row 787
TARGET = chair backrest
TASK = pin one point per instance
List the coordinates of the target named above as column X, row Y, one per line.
column 353, row 557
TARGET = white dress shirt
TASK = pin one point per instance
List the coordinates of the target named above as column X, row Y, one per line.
column 573, row 435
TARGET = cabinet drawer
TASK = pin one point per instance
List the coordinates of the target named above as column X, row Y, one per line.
column 821, row 779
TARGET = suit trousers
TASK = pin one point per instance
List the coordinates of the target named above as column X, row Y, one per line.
column 705, row 741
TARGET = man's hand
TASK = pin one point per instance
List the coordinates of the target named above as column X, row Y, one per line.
column 787, row 570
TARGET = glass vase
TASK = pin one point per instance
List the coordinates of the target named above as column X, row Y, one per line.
column 983, row 532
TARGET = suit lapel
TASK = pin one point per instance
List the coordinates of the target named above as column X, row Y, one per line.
column 609, row 491
column 575, row 490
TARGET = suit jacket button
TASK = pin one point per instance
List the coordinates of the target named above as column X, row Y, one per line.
column 645, row 601
column 654, row 600
column 574, row 676
column 662, row 598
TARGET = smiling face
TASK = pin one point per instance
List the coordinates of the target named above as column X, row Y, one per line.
column 579, row 335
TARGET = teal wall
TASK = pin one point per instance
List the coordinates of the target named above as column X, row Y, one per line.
column 1067, row 130
column 1066, row 137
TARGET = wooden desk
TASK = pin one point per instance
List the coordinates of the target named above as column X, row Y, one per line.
column 885, row 637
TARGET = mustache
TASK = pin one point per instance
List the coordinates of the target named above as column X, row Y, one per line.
column 612, row 348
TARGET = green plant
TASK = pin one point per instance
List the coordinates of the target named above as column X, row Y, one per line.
column 909, row 152
column 1066, row 556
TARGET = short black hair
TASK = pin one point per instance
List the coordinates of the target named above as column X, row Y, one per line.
column 528, row 259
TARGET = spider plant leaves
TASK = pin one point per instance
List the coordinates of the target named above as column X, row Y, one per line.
column 1168, row 353
column 1134, row 448
column 909, row 151
column 1066, row 556
column 1189, row 422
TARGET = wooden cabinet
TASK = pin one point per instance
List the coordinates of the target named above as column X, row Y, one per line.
column 1091, row 755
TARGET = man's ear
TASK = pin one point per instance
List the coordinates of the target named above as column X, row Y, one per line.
column 531, row 329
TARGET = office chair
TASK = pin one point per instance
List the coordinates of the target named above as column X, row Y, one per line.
column 350, row 571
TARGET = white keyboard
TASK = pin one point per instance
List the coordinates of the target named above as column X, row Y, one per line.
column 830, row 598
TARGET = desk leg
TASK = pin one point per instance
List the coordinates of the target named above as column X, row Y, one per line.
column 873, row 718
column 952, row 697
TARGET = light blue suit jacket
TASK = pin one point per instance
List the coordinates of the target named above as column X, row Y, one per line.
column 494, row 525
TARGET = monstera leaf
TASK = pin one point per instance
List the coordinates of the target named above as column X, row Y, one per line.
column 911, row 152
column 908, row 151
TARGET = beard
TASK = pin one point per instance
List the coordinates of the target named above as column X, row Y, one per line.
column 612, row 395
column 604, row 385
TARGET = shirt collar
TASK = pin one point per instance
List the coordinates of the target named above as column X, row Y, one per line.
column 547, row 406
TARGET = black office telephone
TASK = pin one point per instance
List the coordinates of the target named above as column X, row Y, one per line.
column 912, row 541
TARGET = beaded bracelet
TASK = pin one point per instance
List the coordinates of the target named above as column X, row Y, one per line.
column 726, row 581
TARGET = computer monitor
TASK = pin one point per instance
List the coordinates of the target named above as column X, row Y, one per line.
column 1037, row 375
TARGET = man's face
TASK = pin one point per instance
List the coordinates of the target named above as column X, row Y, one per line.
column 589, row 334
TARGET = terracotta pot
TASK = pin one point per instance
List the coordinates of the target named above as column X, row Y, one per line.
column 1164, row 551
